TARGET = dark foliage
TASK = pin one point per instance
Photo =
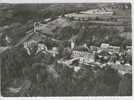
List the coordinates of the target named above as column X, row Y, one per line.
column 16, row 64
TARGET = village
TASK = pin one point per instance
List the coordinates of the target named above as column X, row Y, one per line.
column 99, row 56
column 44, row 55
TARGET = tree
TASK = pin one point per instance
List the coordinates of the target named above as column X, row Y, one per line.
column 125, row 86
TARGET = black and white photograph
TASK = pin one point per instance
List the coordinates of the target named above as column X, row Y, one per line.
column 65, row 49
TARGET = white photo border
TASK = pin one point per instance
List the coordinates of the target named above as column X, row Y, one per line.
column 79, row 97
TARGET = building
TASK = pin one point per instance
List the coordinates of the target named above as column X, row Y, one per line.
column 41, row 47
column 85, row 57
column 54, row 51
column 114, row 49
column 109, row 48
column 129, row 47
column 126, row 35
column 101, row 11
column 29, row 46
column 104, row 46
column 72, row 44
column 80, row 17
column 93, row 48
column 48, row 19
column 82, row 48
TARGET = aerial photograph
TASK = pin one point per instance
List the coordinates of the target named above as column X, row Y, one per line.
column 65, row 49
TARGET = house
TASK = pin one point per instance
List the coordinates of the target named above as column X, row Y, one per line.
column 29, row 45
column 83, row 47
column 41, row 47
column 85, row 57
column 110, row 48
column 113, row 48
column 48, row 19
column 94, row 48
column 80, row 16
column 54, row 51
column 104, row 45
